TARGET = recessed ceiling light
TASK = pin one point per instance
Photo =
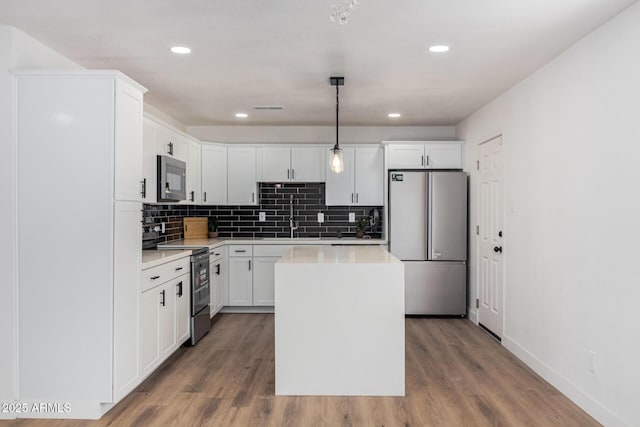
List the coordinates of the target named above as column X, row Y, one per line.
column 242, row 115
column 181, row 50
column 394, row 115
column 439, row 48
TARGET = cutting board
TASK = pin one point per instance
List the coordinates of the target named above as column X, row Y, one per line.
column 196, row 228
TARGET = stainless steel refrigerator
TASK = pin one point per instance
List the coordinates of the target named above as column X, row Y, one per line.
column 428, row 232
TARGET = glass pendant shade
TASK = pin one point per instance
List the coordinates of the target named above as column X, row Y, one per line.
column 336, row 161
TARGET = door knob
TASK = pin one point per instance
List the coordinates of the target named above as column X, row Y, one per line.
column 497, row 249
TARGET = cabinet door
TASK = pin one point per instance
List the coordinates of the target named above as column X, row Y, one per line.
column 276, row 164
column 194, row 189
column 222, row 285
column 308, row 164
column 169, row 143
column 241, row 176
column 167, row 320
column 369, row 176
column 128, row 143
column 214, row 175
column 406, row 156
column 217, row 285
column 149, row 162
column 126, row 285
column 182, row 292
column 150, row 330
column 263, row 280
column 240, row 281
column 339, row 188
column 444, row 156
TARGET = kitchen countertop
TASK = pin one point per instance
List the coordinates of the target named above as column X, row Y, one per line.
column 152, row 258
column 338, row 255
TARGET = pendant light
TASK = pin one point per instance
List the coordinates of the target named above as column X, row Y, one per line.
column 336, row 160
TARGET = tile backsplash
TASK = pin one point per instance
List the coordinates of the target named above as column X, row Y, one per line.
column 242, row 221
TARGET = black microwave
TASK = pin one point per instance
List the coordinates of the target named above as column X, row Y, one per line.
column 172, row 179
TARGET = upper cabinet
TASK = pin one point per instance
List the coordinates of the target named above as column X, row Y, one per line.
column 292, row 164
column 214, row 174
column 129, row 184
column 242, row 187
column 425, row 155
column 362, row 180
column 170, row 143
column 194, row 173
column 149, row 192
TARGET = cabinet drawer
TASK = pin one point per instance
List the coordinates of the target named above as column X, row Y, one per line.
column 155, row 276
column 271, row 250
column 216, row 253
column 240, row 250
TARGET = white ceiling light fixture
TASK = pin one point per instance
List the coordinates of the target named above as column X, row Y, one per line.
column 182, row 50
column 439, row 48
column 242, row 115
column 336, row 162
column 341, row 10
column 393, row 115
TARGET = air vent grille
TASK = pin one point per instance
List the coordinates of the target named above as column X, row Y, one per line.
column 268, row 107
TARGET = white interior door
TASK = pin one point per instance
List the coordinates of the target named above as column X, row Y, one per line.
column 490, row 279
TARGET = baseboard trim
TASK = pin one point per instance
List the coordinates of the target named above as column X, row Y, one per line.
column 248, row 309
column 566, row 387
column 472, row 315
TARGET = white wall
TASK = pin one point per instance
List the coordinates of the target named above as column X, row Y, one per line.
column 164, row 117
column 17, row 50
column 571, row 135
column 320, row 134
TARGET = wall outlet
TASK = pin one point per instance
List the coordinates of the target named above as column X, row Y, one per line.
column 320, row 217
column 592, row 361
column 352, row 217
column 262, row 217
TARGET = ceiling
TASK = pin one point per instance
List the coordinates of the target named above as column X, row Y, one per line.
column 257, row 52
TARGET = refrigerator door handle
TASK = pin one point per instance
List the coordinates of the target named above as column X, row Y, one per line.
column 429, row 227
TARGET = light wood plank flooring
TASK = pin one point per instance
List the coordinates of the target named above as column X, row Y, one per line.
column 456, row 375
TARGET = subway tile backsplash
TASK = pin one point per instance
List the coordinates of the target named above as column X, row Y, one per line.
column 242, row 221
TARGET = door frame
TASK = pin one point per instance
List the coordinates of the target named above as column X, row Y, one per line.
column 478, row 209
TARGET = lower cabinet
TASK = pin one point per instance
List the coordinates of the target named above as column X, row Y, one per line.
column 240, row 281
column 218, row 274
column 164, row 321
column 263, row 280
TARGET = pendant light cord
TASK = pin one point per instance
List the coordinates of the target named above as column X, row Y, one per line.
column 337, row 116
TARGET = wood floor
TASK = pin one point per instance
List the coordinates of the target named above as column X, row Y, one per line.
column 456, row 375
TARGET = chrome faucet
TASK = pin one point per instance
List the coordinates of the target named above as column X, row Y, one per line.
column 292, row 225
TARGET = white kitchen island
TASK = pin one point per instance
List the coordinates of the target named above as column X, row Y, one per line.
column 339, row 322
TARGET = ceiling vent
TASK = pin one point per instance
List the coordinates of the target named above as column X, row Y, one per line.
column 268, row 107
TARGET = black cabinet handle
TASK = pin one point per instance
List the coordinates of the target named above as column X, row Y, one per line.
column 422, row 160
column 155, row 277
column 293, row 174
column 204, row 195
column 427, row 160
column 193, row 196
column 179, row 286
column 249, row 265
column 218, row 269
column 239, row 250
column 288, row 173
column 170, row 151
column 179, row 268
column 497, row 249
column 162, row 303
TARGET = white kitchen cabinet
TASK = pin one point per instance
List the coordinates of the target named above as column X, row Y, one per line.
column 182, row 296
column 149, row 162
column 194, row 165
column 241, row 175
column 425, row 155
column 82, row 130
column 170, row 143
column 292, row 164
column 165, row 314
column 218, row 274
column 214, row 174
column 263, row 281
column 128, row 143
column 240, row 280
column 362, row 180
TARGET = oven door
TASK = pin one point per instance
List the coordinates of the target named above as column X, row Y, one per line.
column 172, row 179
column 200, row 293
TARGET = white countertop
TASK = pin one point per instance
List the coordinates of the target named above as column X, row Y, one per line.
column 338, row 255
column 153, row 258
column 214, row 243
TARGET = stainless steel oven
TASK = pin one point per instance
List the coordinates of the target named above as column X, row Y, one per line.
column 200, row 294
column 172, row 179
